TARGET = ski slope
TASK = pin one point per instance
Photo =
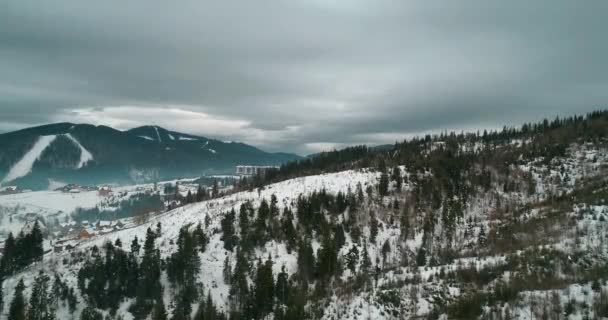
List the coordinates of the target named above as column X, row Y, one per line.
column 85, row 155
column 24, row 166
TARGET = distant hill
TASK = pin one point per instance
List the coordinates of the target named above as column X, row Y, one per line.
column 83, row 153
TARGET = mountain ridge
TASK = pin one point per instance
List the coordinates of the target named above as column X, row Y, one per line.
column 85, row 153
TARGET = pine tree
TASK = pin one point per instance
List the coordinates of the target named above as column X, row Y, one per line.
column 396, row 176
column 352, row 258
column 282, row 287
column 90, row 313
column 159, row 312
column 215, row 190
column 201, row 238
column 306, row 260
column 327, row 259
column 17, row 307
column 244, row 212
column 7, row 264
column 383, row 184
column 288, row 230
column 227, row 270
column 260, row 223
column 37, row 250
column 135, row 246
column 366, row 262
column 264, row 287
column 148, row 285
column 40, row 301
column 229, row 236
column 386, row 249
column 373, row 228
column 239, row 289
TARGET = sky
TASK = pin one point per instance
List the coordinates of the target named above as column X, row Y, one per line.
column 301, row 76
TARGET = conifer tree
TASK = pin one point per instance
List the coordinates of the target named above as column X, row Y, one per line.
column 40, row 301
column 90, row 313
column 288, row 229
column 135, row 246
column 366, row 262
column 159, row 312
column 261, row 223
column 282, row 287
column 227, row 270
column 239, row 289
column 352, row 258
column 373, row 228
column 215, row 190
column 396, row 176
column 229, row 236
column 264, row 287
column 17, row 307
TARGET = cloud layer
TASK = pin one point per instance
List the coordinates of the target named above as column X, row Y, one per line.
column 301, row 75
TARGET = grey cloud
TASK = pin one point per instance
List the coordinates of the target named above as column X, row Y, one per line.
column 306, row 72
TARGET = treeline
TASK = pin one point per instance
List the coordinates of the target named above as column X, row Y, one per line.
column 44, row 301
column 136, row 205
column 321, row 216
column 21, row 251
column 113, row 274
column 547, row 139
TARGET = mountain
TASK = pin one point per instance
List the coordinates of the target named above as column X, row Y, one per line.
column 507, row 224
column 82, row 153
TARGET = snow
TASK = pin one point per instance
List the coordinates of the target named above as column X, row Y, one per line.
column 158, row 134
column 85, row 155
column 187, row 138
column 171, row 136
column 24, row 166
column 212, row 151
column 146, row 137
column 416, row 298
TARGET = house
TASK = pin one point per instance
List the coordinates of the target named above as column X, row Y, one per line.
column 104, row 191
column 84, row 234
column 101, row 224
column 75, row 190
column 9, row 190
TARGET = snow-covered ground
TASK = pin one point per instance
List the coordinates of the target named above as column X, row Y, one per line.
column 417, row 288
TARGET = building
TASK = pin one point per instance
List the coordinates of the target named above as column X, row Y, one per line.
column 9, row 190
column 104, row 191
column 84, row 234
column 253, row 170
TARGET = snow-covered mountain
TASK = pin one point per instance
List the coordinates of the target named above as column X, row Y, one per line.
column 505, row 225
column 75, row 153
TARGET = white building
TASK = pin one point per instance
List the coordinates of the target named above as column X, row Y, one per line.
column 253, row 170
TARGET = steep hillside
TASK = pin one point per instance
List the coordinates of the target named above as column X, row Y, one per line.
column 97, row 154
column 501, row 226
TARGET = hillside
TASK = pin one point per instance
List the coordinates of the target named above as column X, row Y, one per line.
column 499, row 225
column 87, row 154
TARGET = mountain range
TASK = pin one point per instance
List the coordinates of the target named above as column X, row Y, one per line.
column 89, row 154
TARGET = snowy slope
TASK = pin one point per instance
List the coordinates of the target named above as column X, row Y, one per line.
column 24, row 166
column 419, row 288
column 85, row 155
column 213, row 258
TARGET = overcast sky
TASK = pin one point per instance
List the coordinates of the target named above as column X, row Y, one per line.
column 299, row 75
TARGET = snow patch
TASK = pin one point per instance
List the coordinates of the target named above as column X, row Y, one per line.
column 187, row 138
column 24, row 166
column 85, row 155
column 146, row 137
column 158, row 134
